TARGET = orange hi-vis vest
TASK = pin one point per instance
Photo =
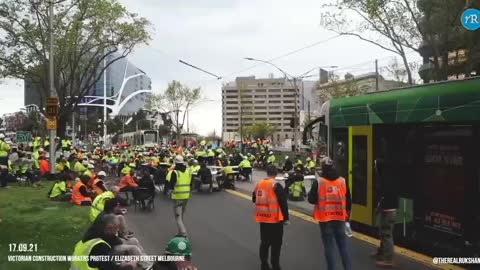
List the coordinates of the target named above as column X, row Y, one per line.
column 267, row 208
column 332, row 200
column 77, row 197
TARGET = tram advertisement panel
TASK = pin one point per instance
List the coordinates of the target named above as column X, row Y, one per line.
column 443, row 176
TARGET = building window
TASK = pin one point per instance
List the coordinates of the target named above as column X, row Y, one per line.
column 232, row 102
column 260, row 85
column 286, row 136
column 260, row 96
column 275, row 96
column 278, row 137
column 232, row 108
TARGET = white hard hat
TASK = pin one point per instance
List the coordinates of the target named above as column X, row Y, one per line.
column 102, row 173
column 90, row 166
column 179, row 159
column 2, row 136
column 85, row 163
column 91, row 162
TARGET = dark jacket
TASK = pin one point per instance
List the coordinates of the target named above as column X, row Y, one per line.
column 282, row 199
column 329, row 175
column 205, row 175
column 288, row 166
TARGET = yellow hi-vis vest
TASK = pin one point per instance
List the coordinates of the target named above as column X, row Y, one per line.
column 181, row 191
column 99, row 204
column 58, row 189
column 89, row 173
column 84, row 249
column 297, row 188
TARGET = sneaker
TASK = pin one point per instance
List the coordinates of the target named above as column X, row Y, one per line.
column 387, row 263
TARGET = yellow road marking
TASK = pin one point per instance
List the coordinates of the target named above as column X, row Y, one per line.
column 424, row 259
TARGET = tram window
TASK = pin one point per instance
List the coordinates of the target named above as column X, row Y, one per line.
column 359, row 170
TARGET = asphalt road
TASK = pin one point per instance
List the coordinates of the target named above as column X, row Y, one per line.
column 224, row 235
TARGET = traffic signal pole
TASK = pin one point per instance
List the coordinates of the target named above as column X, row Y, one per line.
column 53, row 93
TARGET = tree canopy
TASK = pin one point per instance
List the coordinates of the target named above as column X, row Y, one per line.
column 85, row 33
column 260, row 130
column 176, row 101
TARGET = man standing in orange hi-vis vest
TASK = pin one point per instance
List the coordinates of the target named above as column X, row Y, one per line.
column 331, row 197
column 271, row 211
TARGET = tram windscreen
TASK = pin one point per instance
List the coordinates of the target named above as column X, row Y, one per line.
column 150, row 137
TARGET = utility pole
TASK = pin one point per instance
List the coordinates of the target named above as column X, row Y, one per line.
column 53, row 93
column 376, row 74
column 295, row 119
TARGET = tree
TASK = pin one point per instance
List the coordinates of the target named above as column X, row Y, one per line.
column 336, row 88
column 177, row 99
column 398, row 72
column 260, row 130
column 443, row 33
column 85, row 34
column 389, row 24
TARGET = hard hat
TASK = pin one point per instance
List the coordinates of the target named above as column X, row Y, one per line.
column 195, row 161
column 230, row 155
column 91, row 166
column 179, row 246
column 308, row 159
column 179, row 159
column 2, row 136
column 245, row 158
column 131, row 165
column 102, row 173
column 271, row 153
column 85, row 163
column 91, row 162
column 286, row 157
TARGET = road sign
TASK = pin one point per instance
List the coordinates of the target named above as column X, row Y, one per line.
column 24, row 136
column 52, row 123
column 52, row 107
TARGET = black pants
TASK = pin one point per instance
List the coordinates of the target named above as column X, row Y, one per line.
column 271, row 236
column 4, row 172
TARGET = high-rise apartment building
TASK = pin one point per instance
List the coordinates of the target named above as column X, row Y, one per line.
column 248, row 100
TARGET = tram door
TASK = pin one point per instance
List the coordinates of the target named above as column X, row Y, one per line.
column 361, row 173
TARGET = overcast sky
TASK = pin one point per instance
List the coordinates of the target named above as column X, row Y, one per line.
column 217, row 34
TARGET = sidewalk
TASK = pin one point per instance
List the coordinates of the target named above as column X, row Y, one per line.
column 247, row 188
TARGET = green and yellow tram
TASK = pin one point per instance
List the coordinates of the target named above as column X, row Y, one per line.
column 429, row 138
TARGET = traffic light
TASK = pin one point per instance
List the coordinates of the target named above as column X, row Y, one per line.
column 292, row 122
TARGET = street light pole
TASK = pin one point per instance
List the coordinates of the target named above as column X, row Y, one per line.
column 53, row 93
column 292, row 80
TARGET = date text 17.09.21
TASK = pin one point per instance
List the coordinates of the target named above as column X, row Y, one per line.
column 23, row 247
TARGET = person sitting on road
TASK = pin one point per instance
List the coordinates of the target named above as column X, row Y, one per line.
column 288, row 165
column 205, row 176
column 147, row 188
column 101, row 240
column 127, row 183
column 59, row 191
column 177, row 246
column 81, row 194
column 245, row 168
column 98, row 203
column 295, row 184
